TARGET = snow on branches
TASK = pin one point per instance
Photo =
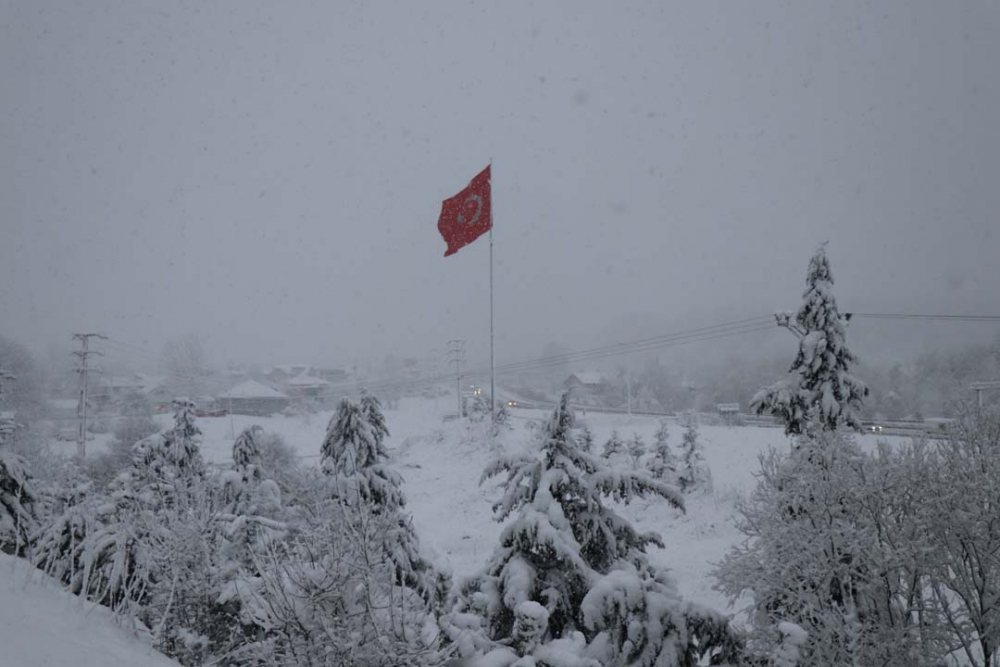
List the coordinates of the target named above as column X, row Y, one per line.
column 566, row 553
column 824, row 395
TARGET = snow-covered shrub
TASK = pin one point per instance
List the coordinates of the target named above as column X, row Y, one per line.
column 835, row 545
column 585, row 565
column 961, row 517
column 636, row 449
column 693, row 473
column 57, row 547
column 106, row 465
column 329, row 595
column 17, row 495
column 662, row 464
column 613, row 446
column 279, row 459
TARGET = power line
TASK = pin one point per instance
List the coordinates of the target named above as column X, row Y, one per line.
column 659, row 342
column 924, row 316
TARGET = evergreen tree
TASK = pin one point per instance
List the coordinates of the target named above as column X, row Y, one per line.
column 663, row 464
column 614, row 445
column 824, row 395
column 586, row 440
column 501, row 419
column 371, row 408
column 17, row 497
column 247, row 451
column 168, row 461
column 571, row 577
column 353, row 454
column 636, row 449
column 691, row 457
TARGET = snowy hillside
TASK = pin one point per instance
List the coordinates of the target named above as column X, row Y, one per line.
column 43, row 626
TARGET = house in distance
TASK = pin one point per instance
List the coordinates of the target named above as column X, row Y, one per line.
column 252, row 398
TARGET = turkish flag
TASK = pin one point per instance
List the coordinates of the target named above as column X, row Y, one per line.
column 468, row 215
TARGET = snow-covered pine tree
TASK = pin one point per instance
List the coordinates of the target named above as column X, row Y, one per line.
column 371, row 408
column 663, row 464
column 636, row 449
column 246, row 451
column 692, row 471
column 825, row 394
column 167, row 462
column 185, row 437
column 614, row 445
column 583, row 565
column 353, row 454
column 586, row 440
column 501, row 420
column 252, row 503
column 17, row 497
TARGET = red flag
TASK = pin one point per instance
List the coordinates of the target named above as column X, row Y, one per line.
column 468, row 215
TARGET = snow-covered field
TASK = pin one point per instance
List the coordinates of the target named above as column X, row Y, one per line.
column 441, row 463
column 43, row 626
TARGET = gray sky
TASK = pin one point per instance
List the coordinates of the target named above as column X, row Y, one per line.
column 270, row 174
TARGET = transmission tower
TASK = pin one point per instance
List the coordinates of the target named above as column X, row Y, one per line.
column 83, row 369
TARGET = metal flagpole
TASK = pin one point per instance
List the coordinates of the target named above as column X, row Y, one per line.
column 493, row 387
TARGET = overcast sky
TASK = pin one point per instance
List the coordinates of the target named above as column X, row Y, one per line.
column 270, row 174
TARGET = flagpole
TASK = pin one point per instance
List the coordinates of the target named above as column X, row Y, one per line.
column 493, row 392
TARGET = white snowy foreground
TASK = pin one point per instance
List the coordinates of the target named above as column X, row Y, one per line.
column 441, row 463
column 43, row 626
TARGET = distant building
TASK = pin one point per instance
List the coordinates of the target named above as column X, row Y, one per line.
column 730, row 413
column 588, row 380
column 331, row 375
column 279, row 375
column 307, row 385
column 252, row 398
column 117, row 387
column 586, row 386
column 62, row 409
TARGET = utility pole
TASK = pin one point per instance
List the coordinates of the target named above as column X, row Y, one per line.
column 456, row 355
column 6, row 423
column 980, row 387
column 628, row 385
column 83, row 368
column 5, row 377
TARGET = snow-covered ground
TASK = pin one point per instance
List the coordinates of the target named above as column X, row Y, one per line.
column 43, row 626
column 441, row 463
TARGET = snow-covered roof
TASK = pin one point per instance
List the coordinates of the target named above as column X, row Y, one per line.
column 251, row 389
column 306, row 380
column 291, row 369
column 589, row 377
